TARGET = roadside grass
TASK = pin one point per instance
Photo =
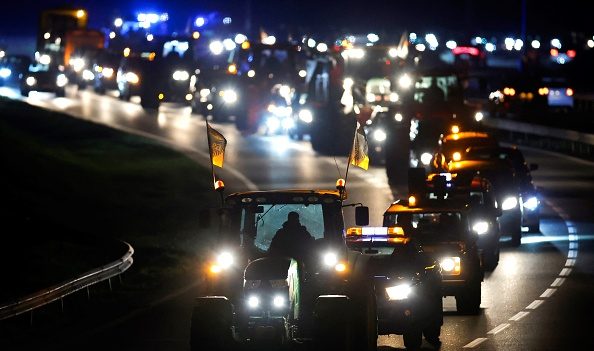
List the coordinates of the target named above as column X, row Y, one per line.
column 68, row 184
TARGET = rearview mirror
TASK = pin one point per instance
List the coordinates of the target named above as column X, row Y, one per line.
column 361, row 215
column 533, row 166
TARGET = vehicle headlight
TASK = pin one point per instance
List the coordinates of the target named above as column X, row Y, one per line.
column 481, row 227
column 288, row 123
column 107, row 72
column 479, row 116
column 509, row 203
column 88, row 75
column 405, row 81
column 456, row 156
column 180, row 75
column 204, row 93
column 398, row 292
column 330, row 259
column 229, row 96
column 426, row 158
column 61, row 80
column 306, row 116
column 216, row 47
column 531, row 204
column 394, row 97
column 77, row 63
column 398, row 117
column 45, row 59
column 132, row 78
column 225, row 259
column 273, row 123
column 370, row 97
column 285, row 91
column 253, row 302
column 450, row 265
column 31, row 81
column 5, row 72
column 379, row 135
column 278, row 301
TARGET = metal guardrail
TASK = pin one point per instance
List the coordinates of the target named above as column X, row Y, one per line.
column 555, row 139
column 63, row 289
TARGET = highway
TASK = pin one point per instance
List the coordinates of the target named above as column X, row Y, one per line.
column 538, row 298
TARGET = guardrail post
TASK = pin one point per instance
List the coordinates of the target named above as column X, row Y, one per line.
column 109, row 281
column 88, row 293
column 62, row 304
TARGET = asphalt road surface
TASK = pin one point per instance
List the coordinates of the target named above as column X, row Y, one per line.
column 540, row 297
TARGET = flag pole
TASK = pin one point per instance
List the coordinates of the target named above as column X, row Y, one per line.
column 346, row 175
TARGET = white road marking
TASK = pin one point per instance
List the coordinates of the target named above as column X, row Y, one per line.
column 534, row 305
column 558, row 282
column 573, row 237
column 572, row 254
column 519, row 316
column 571, row 230
column 565, row 272
column 474, row 343
column 548, row 293
column 573, row 245
column 570, row 262
column 498, row 328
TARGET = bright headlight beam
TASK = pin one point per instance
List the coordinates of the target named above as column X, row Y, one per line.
column 405, row 81
column 253, row 302
column 379, row 135
column 330, row 259
column 229, row 96
column 278, row 301
column 480, row 227
column 398, row 292
column 180, row 75
column 509, row 203
column 426, row 158
column 306, row 116
column 225, row 259
column 479, row 116
column 531, row 204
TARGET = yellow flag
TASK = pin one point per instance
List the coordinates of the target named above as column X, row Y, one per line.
column 216, row 146
column 360, row 152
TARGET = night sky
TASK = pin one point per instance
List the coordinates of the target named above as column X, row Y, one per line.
column 329, row 17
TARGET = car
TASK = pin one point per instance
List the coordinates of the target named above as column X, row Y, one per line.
column 44, row 78
column 264, row 286
column 12, row 69
column 506, row 188
column 453, row 145
column 485, row 211
column 529, row 194
column 443, row 229
column 407, row 283
column 105, row 68
column 161, row 75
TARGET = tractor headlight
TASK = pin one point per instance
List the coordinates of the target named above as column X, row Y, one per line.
column 132, row 78
column 426, row 158
column 379, row 135
column 229, row 96
column 450, row 265
column 398, row 292
column 306, row 116
column 479, row 116
column 31, row 81
column 330, row 259
column 394, row 97
column 77, row 63
column 531, row 204
column 180, row 75
column 225, row 259
column 107, row 72
column 456, row 156
column 204, row 92
column 481, row 227
column 5, row 72
column 405, row 81
column 278, row 301
column 509, row 203
column 61, row 80
column 253, row 302
column 88, row 75
column 398, row 117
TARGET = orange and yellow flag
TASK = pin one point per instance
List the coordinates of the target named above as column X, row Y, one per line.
column 216, row 146
column 360, row 152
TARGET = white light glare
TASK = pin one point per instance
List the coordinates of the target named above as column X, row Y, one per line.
column 426, row 158
column 556, row 43
column 240, row 38
column 518, row 44
column 229, row 44
column 306, row 116
column 590, row 43
column 269, row 40
column 490, row 47
column 480, row 227
column 450, row 44
column 225, row 259
column 405, row 81
column 420, row 47
column 509, row 203
column 278, row 301
column 398, row 292
column 509, row 43
column 531, row 204
column 379, row 135
column 253, row 302
column 311, row 43
column 479, row 116
column 216, row 47
column 322, row 47
column 118, row 22
column 535, row 44
column 330, row 259
column 431, row 39
column 372, row 37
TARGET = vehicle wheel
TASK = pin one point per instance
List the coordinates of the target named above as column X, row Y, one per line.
column 212, row 320
column 365, row 321
column 433, row 330
column 469, row 301
column 535, row 228
column 332, row 327
column 491, row 259
column 516, row 237
column 60, row 93
column 413, row 339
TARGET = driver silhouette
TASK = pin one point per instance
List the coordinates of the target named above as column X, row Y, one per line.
column 292, row 240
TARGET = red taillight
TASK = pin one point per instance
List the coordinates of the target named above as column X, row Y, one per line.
column 569, row 92
column 571, row 53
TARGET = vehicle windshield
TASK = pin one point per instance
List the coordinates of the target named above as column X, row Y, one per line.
column 283, row 62
column 447, row 85
column 430, row 226
column 259, row 222
column 460, row 145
